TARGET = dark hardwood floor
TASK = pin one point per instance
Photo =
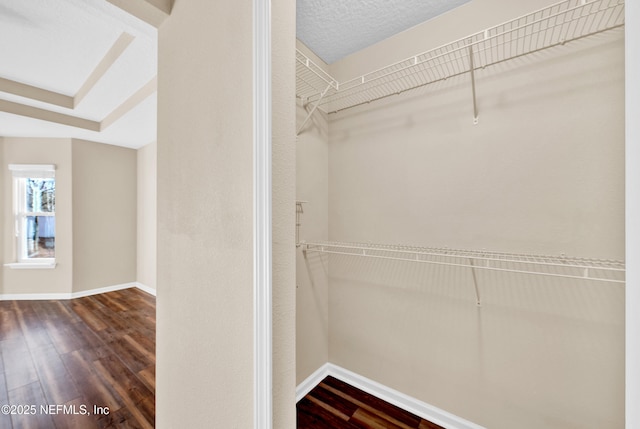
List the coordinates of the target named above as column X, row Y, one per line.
column 90, row 363
column 83, row 363
column 334, row 404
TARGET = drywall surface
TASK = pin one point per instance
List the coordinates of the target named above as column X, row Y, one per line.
column 205, row 226
column 312, row 287
column 39, row 151
column 632, row 200
column 283, row 184
column 147, row 214
column 542, row 172
column 104, row 215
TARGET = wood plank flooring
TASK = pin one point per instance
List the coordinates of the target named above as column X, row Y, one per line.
column 62, row 359
column 334, row 404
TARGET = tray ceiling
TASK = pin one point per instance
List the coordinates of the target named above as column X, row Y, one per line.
column 77, row 68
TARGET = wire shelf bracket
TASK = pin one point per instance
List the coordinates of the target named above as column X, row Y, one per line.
column 475, row 281
column 322, row 94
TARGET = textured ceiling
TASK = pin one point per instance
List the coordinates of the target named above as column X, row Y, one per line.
column 333, row 29
column 56, row 45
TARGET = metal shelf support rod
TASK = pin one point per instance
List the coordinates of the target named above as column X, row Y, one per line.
column 314, row 109
column 475, row 281
column 473, row 86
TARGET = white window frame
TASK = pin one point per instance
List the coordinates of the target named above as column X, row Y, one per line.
column 19, row 173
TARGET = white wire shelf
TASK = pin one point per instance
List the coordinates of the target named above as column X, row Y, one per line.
column 554, row 25
column 601, row 270
column 311, row 79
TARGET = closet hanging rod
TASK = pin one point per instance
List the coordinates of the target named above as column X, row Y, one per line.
column 551, row 26
column 574, row 268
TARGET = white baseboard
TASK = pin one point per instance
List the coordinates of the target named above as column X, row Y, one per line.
column 98, row 291
column 73, row 295
column 312, row 381
column 413, row 405
column 145, row 288
column 34, row 296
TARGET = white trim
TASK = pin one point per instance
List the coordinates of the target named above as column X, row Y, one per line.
column 262, row 280
column 50, row 264
column 145, row 288
column 73, row 295
column 98, row 291
column 32, row 167
column 406, row 402
column 312, row 381
column 632, row 213
column 40, row 171
column 34, row 296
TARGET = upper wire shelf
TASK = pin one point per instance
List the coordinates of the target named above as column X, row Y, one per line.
column 602, row 270
column 554, row 25
column 311, row 79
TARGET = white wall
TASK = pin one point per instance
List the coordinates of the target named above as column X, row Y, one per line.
column 147, row 215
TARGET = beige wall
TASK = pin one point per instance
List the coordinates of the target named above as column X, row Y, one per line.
column 147, row 214
column 283, row 211
column 95, row 215
column 312, row 287
column 39, row 151
column 104, row 215
column 204, row 306
column 543, row 172
column 205, row 216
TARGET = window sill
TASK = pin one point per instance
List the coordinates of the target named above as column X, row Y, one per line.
column 32, row 265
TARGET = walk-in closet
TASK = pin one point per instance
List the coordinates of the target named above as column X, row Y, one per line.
column 460, row 216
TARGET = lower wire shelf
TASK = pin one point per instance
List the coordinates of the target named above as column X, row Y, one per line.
column 600, row 270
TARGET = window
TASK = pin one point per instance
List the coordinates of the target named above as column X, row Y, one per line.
column 34, row 203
